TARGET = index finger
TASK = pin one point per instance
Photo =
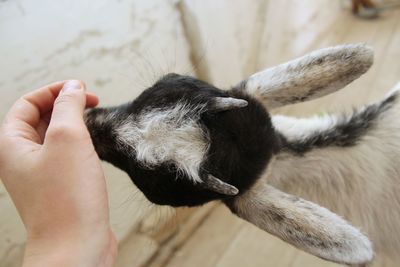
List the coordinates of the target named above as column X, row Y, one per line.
column 26, row 113
column 29, row 107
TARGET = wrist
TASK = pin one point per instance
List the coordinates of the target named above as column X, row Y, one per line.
column 68, row 249
column 47, row 254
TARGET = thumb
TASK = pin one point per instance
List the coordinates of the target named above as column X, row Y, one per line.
column 68, row 108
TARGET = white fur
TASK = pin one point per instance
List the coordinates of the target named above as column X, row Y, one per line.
column 304, row 224
column 166, row 136
column 361, row 182
column 295, row 129
column 314, row 75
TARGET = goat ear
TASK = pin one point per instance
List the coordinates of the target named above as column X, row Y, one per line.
column 303, row 224
column 314, row 75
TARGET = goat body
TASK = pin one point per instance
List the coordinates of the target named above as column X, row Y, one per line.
column 349, row 164
column 184, row 142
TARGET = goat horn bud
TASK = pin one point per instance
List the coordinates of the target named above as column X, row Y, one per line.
column 226, row 103
column 214, row 184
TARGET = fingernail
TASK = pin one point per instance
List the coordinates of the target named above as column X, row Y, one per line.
column 72, row 85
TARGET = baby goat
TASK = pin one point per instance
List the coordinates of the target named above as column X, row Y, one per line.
column 184, row 142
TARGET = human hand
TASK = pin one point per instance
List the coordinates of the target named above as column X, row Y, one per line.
column 50, row 169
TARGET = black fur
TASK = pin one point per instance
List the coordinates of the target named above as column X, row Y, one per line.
column 242, row 142
column 347, row 132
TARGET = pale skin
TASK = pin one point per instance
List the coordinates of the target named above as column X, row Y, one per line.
column 54, row 177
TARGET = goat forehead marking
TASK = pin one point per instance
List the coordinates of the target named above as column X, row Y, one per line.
column 170, row 135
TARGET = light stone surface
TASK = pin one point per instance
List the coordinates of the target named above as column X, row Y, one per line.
column 224, row 36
